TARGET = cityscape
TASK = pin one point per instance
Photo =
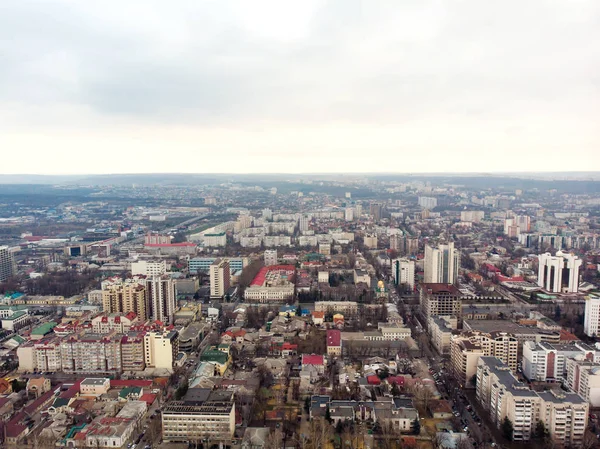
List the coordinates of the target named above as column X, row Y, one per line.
column 325, row 224
column 362, row 311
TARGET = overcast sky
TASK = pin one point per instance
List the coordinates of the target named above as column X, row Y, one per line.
column 304, row 86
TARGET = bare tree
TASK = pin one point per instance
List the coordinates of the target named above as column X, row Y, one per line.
column 274, row 440
column 320, row 432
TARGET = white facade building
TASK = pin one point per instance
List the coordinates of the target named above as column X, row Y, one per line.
column 591, row 322
column 441, row 264
column 149, row 267
column 270, row 257
column 220, row 278
column 560, row 273
column 403, row 272
column 160, row 295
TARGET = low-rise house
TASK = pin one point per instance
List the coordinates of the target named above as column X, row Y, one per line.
column 38, row 386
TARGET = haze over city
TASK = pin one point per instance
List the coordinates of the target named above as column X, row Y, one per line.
column 313, row 86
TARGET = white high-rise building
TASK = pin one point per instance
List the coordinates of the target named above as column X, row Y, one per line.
column 427, row 202
column 270, row 257
column 560, row 273
column 349, row 214
column 7, row 263
column 160, row 294
column 220, row 278
column 441, row 264
column 303, row 223
column 591, row 322
column 267, row 214
column 148, row 267
column 403, row 272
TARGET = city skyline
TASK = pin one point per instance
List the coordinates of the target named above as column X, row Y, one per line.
column 268, row 87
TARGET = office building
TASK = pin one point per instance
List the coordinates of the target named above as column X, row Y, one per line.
column 203, row 264
column 272, row 284
column 148, row 267
column 270, row 257
column 202, row 415
column 500, row 394
column 7, row 263
column 560, row 273
column 439, row 299
column 441, row 264
column 591, row 321
column 160, row 296
column 124, row 296
column 161, row 348
column 220, row 278
column 403, row 272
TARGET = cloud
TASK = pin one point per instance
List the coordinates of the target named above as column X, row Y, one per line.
column 309, row 65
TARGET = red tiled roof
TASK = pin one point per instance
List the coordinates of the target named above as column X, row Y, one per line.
column 148, row 398
column 170, row 245
column 398, row 380
column 373, row 380
column 122, row 383
column 318, row 314
column 334, row 337
column 441, row 288
column 312, row 359
column 259, row 279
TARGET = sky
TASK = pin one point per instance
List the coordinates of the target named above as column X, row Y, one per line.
column 214, row 86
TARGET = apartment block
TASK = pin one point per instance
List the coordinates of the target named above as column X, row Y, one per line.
column 161, row 348
column 564, row 414
column 464, row 356
column 583, row 378
column 440, row 331
column 160, row 297
column 124, row 296
column 132, row 352
column 109, row 322
column 548, row 362
column 91, row 353
column 220, row 278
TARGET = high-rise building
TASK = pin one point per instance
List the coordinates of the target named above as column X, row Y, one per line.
column 412, row 245
column 427, row 202
column 560, row 273
column 403, row 272
column 124, row 296
column 349, row 214
column 544, row 361
column 376, row 210
column 7, row 263
column 270, row 257
column 591, row 321
column 499, row 393
column 267, row 214
column 441, row 264
column 439, row 299
column 303, row 223
column 160, row 296
column 161, row 348
column 90, row 353
column 220, row 278
column 148, row 267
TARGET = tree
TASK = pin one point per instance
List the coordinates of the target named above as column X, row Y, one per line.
column 474, row 380
column 395, row 389
column 507, row 428
column 416, row 426
column 540, row 430
column 274, row 440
